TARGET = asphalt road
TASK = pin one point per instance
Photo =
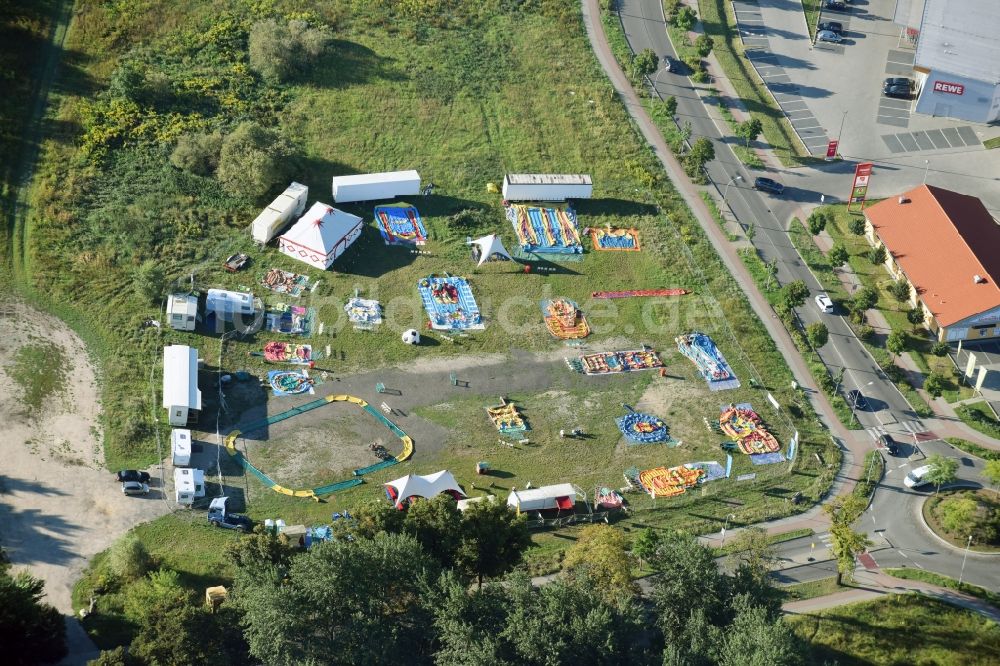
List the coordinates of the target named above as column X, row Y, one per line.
column 895, row 507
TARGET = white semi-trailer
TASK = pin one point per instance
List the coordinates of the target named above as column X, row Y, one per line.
column 375, row 186
column 546, row 186
column 276, row 216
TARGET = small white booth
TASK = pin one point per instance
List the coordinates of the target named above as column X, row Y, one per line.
column 180, row 447
column 374, row 186
column 272, row 219
column 547, row 186
column 189, row 485
column 561, row 496
column 320, row 236
column 228, row 305
column 182, row 312
column 181, row 397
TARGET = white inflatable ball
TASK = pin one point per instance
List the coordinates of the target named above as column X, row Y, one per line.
column 411, row 337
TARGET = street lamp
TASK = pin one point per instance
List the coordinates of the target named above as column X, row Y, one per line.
column 840, row 133
column 725, row 193
column 730, row 516
column 927, row 163
column 967, row 544
column 854, row 404
column 665, row 68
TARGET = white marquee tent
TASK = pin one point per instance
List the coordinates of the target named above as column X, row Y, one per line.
column 560, row 496
column 491, row 247
column 321, row 235
column 430, row 485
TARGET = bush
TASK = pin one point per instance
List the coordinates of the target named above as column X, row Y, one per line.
column 252, row 160
column 935, row 384
column 866, row 333
column 838, row 255
column 877, row 255
column 794, row 294
column 279, row 52
column 149, row 280
column 645, row 62
column 128, row 559
column 857, row 226
column 817, row 334
column 685, row 19
column 197, row 153
column 896, row 342
column 817, row 223
column 670, row 106
column 900, row 290
column 939, row 348
column 958, row 514
column 704, row 45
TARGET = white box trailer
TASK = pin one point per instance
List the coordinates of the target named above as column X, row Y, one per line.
column 181, row 397
column 182, row 312
column 374, row 186
column 180, row 447
column 273, row 219
column 546, row 186
column 228, row 305
column 189, row 485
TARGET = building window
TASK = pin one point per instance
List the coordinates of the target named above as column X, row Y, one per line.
column 179, row 413
column 985, row 332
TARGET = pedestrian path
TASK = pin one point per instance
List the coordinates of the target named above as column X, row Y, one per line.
column 907, row 428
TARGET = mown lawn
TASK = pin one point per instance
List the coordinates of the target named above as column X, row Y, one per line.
column 899, row 629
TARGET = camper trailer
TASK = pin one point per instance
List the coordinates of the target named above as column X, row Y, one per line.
column 374, row 186
column 546, row 186
column 230, row 305
column 189, row 485
column 180, row 447
column 279, row 213
column 181, row 397
column 182, row 312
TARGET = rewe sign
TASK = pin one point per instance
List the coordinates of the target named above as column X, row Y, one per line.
column 950, row 88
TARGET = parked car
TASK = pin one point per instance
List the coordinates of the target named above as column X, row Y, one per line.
column 135, row 488
column 832, row 26
column 900, row 81
column 824, row 303
column 668, row 64
column 132, row 475
column 856, row 400
column 218, row 515
column 899, row 92
column 829, row 36
column 836, row 6
column 768, row 185
column 917, row 477
column 889, row 444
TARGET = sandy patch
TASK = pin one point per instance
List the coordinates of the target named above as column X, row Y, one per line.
column 58, row 506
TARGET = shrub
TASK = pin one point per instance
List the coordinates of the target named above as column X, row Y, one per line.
column 958, row 514
column 857, row 226
column 838, row 255
column 645, row 62
column 128, row 559
column 197, row 153
column 670, row 106
column 149, row 280
column 877, row 255
column 252, row 160
column 866, row 333
column 817, row 223
column 817, row 334
column 939, row 348
column 685, row 19
column 704, row 45
column 896, row 342
column 279, row 52
column 935, row 384
column 900, row 290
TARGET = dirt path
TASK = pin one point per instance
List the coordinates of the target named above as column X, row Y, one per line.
column 58, row 506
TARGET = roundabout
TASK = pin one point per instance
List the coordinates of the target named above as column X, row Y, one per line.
column 317, row 492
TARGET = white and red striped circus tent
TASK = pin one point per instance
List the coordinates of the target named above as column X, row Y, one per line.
column 321, row 235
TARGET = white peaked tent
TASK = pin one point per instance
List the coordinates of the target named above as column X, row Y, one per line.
column 430, row 485
column 491, row 247
column 321, row 235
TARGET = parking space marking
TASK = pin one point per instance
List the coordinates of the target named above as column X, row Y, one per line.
column 895, row 103
column 894, row 69
column 895, row 122
column 900, row 56
column 893, row 143
column 922, row 141
column 969, row 135
column 937, row 138
column 953, row 137
column 902, row 114
column 908, row 142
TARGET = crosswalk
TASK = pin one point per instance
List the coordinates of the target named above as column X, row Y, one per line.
column 911, row 428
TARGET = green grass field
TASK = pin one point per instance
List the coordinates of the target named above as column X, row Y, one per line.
column 899, row 629
column 945, row 581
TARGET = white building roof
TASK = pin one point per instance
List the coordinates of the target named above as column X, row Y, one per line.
column 181, row 441
column 229, row 301
column 182, row 304
column 430, row 485
column 180, row 377
column 548, row 179
column 321, row 228
column 961, row 37
column 383, row 177
column 186, row 478
column 530, row 495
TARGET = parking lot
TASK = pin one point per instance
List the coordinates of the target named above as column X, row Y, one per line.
column 988, row 356
column 823, row 87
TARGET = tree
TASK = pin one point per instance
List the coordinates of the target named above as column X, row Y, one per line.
column 992, row 471
column 436, row 524
column 845, row 543
column 197, row 153
column 916, row 318
column 857, row 226
column 864, row 299
column 280, row 51
column 375, row 517
column 260, row 548
column 128, row 80
column 935, row 384
column 31, row 631
column 252, row 160
column 645, row 545
column 703, row 44
column 816, row 223
column 670, row 106
column 942, row 470
column 752, row 559
column 159, row 590
column 186, row 634
column 115, row 657
column 794, row 294
column 680, row 560
column 600, row 554
column 684, row 19
column 755, row 638
column 494, row 538
column 877, row 255
column 749, row 130
column 702, row 152
column 149, row 280
column 900, row 289
column 128, row 559
column 838, row 256
column 350, row 602
column 896, row 343
column 817, row 334
column 645, row 62
column 958, row 514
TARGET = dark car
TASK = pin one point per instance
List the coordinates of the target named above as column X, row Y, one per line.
column 836, row 6
column 899, row 81
column 899, row 92
column 768, row 185
column 889, row 444
column 232, row 521
column 124, row 475
column 856, row 400
column 832, row 26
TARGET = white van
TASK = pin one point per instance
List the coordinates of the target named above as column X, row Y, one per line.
column 916, row 477
column 824, row 304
